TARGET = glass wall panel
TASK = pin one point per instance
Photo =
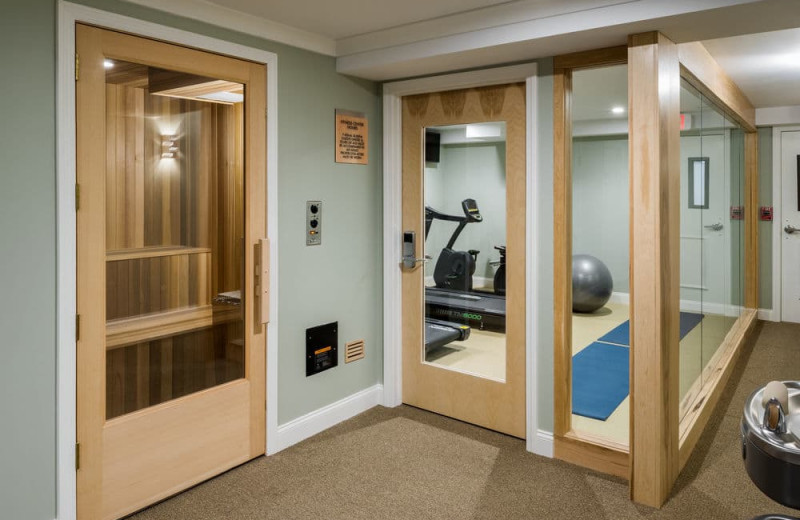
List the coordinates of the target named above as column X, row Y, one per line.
column 695, row 193
column 712, row 237
column 465, row 238
column 601, row 253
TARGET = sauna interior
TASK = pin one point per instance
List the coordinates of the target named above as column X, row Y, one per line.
column 174, row 234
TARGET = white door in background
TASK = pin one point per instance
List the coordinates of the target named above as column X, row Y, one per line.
column 790, row 220
column 705, row 257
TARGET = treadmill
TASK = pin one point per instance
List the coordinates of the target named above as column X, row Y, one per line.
column 439, row 333
column 482, row 310
column 461, row 304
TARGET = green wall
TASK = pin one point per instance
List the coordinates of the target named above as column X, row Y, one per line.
column 468, row 170
column 339, row 280
column 600, row 203
column 27, row 276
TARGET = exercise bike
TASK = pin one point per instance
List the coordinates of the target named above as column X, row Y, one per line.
column 453, row 297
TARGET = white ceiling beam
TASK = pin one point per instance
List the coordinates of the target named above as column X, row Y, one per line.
column 243, row 23
column 681, row 20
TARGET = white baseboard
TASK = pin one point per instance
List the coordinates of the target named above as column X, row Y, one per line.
column 314, row 422
column 620, row 297
column 768, row 315
column 542, row 444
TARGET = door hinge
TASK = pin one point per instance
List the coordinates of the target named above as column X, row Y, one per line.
column 77, row 456
column 77, row 327
column 77, row 197
column 77, row 66
column 266, row 112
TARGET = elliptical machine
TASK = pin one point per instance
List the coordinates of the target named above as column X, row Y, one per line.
column 454, row 269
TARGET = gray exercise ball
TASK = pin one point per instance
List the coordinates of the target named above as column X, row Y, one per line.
column 591, row 283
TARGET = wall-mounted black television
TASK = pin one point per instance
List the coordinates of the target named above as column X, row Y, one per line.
column 432, row 143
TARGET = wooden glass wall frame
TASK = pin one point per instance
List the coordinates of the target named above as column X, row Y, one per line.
column 699, row 69
column 578, row 448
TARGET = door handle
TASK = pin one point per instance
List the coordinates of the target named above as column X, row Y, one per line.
column 409, row 262
column 262, row 281
column 409, row 257
column 790, row 229
column 714, row 227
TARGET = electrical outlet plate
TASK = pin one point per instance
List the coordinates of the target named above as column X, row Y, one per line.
column 313, row 223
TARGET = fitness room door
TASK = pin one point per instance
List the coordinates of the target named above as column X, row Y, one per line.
column 790, row 226
column 463, row 273
column 171, row 171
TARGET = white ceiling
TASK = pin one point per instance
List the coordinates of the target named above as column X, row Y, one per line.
column 596, row 91
column 345, row 18
column 391, row 39
column 766, row 66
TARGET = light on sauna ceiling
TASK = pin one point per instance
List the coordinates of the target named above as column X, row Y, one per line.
column 484, row 131
column 108, row 64
column 617, row 110
column 169, row 146
column 225, row 97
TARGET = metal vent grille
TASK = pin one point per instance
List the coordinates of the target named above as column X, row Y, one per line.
column 354, row 351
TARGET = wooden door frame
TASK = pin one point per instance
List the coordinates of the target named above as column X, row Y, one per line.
column 538, row 441
column 569, row 445
column 68, row 15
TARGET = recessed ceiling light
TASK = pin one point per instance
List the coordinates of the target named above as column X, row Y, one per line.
column 108, row 64
column 618, row 110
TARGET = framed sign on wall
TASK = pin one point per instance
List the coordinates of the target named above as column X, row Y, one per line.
column 351, row 137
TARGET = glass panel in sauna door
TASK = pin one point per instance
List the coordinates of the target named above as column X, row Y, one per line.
column 174, row 233
column 465, row 238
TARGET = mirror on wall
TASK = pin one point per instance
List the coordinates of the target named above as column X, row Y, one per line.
column 711, row 237
column 465, row 238
column 601, row 254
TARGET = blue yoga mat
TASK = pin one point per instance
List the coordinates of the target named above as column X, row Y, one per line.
column 599, row 380
column 621, row 335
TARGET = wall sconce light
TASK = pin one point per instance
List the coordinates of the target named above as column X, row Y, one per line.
column 169, row 146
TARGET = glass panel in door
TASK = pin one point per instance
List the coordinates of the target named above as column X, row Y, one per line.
column 174, row 234
column 465, row 238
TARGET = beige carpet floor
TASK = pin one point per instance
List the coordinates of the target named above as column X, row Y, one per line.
column 404, row 463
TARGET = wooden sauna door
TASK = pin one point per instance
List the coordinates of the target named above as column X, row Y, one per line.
column 171, row 172
column 464, row 154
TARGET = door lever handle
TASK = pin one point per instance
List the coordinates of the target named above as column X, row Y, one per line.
column 409, row 262
column 714, row 227
column 790, row 229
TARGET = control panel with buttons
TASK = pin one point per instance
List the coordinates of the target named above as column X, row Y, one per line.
column 313, row 223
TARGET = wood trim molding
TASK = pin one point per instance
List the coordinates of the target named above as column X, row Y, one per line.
column 751, row 220
column 654, row 107
column 594, row 58
column 593, row 453
column 562, row 251
column 700, row 69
